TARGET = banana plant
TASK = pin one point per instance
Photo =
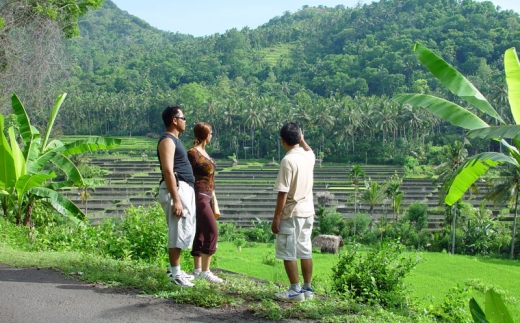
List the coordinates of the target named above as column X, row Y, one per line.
column 25, row 157
column 495, row 310
column 467, row 174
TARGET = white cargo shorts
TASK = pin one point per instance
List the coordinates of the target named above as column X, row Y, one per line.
column 294, row 239
column 181, row 230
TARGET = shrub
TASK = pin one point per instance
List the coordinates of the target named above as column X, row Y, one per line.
column 376, row 277
column 454, row 307
column 227, row 231
column 13, row 235
column 146, row 231
column 260, row 232
column 362, row 232
column 329, row 222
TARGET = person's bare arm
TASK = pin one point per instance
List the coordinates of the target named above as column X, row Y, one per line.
column 167, row 153
column 304, row 144
column 280, row 204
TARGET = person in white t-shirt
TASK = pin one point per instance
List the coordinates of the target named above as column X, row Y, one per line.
column 294, row 214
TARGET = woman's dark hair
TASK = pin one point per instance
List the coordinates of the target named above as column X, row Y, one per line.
column 169, row 113
column 290, row 133
column 201, row 132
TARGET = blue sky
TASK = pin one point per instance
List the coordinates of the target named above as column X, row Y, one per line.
column 206, row 17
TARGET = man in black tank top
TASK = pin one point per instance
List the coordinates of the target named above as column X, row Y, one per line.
column 176, row 193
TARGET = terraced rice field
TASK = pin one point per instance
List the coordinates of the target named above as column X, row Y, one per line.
column 244, row 192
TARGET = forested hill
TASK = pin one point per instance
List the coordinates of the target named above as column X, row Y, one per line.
column 126, row 70
column 364, row 50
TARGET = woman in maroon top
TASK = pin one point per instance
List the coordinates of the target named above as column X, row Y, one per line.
column 206, row 234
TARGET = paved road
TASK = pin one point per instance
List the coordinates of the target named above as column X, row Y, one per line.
column 30, row 295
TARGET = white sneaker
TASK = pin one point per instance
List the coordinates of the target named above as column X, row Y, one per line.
column 309, row 293
column 182, row 273
column 291, row 296
column 210, row 277
column 180, row 280
column 186, row 276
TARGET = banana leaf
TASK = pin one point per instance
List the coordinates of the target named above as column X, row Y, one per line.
column 496, row 311
column 60, row 203
column 467, row 174
column 493, row 132
column 454, row 81
column 89, row 144
column 444, row 109
column 7, row 176
column 512, row 69
column 476, row 312
column 30, row 135
column 27, row 182
column 19, row 161
column 52, row 118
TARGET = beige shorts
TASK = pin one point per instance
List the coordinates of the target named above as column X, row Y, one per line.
column 294, row 240
column 181, row 230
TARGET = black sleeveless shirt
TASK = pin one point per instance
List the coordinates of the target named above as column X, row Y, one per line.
column 181, row 163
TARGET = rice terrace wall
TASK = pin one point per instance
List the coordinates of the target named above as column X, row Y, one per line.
column 245, row 192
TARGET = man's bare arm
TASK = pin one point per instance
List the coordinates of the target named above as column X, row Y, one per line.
column 281, row 199
column 304, row 144
column 167, row 153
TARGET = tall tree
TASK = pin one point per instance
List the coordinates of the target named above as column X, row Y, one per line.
column 475, row 166
column 23, row 174
column 356, row 175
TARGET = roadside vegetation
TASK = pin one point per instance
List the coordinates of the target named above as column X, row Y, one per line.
column 391, row 269
column 130, row 253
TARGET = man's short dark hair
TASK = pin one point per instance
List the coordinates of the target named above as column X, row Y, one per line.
column 168, row 114
column 290, row 133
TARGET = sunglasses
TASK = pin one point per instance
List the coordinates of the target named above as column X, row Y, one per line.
column 182, row 118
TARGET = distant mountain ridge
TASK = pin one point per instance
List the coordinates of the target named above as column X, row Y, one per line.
column 316, row 66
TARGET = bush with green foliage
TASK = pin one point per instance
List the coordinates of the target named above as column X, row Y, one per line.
column 14, row 236
column 140, row 234
column 363, row 233
column 260, row 232
column 417, row 214
column 227, row 231
column 375, row 277
column 479, row 232
column 454, row 307
column 329, row 222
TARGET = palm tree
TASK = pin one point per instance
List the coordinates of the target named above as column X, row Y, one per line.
column 384, row 116
column 373, row 195
column 351, row 118
column 356, row 175
column 504, row 190
column 475, row 166
column 394, row 193
column 323, row 121
column 456, row 156
column 254, row 118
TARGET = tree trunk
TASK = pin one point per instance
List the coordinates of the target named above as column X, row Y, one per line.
column 454, row 231
column 355, row 211
column 28, row 213
column 514, row 227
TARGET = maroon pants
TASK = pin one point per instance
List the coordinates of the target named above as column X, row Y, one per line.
column 206, row 232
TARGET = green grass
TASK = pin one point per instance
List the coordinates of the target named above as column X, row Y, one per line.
column 434, row 277
column 439, row 272
column 430, row 281
column 273, row 54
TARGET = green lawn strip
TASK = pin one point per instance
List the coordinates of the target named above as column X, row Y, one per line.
column 439, row 272
column 432, row 278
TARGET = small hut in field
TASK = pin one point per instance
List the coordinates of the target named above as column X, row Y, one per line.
column 328, row 243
